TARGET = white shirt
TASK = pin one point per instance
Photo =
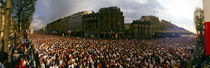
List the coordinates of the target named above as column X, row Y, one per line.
column 172, row 63
column 56, row 66
column 61, row 61
column 1, row 65
column 42, row 65
column 71, row 66
column 52, row 67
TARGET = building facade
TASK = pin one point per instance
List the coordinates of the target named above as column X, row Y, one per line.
column 75, row 21
column 108, row 22
column 155, row 22
column 90, row 24
column 141, row 29
column 71, row 23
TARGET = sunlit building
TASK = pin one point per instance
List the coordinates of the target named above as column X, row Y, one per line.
column 75, row 21
column 141, row 29
column 71, row 23
column 31, row 29
column 108, row 22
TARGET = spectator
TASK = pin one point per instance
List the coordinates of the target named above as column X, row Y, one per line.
column 55, row 51
column 3, row 60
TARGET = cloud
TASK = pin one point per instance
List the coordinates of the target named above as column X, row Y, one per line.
column 37, row 23
column 49, row 10
column 179, row 12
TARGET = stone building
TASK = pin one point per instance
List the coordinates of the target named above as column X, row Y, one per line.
column 90, row 24
column 75, row 21
column 155, row 22
column 71, row 23
column 53, row 26
column 141, row 29
column 108, row 22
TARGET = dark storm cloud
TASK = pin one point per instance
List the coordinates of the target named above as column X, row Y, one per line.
column 49, row 10
column 134, row 10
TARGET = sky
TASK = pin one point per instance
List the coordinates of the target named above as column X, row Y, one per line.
column 178, row 12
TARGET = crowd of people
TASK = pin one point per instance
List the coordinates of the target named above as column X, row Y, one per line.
column 20, row 55
column 62, row 52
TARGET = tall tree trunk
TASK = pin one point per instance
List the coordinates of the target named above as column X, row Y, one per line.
column 7, row 25
column 1, row 27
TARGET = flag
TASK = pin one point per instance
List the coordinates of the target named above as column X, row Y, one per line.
column 199, row 35
column 207, row 38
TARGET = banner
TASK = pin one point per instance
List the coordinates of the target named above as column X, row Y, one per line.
column 207, row 38
column 206, row 8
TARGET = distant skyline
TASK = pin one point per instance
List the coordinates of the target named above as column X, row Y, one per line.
column 178, row 12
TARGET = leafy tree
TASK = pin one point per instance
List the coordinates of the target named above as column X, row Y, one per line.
column 22, row 12
column 199, row 21
column 3, row 3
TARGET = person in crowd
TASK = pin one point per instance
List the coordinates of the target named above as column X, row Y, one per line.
column 62, row 52
column 3, row 60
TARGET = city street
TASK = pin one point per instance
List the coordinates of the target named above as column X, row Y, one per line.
column 104, row 34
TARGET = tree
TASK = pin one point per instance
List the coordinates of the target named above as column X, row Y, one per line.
column 1, row 22
column 7, row 25
column 199, row 21
column 23, row 11
column 3, row 3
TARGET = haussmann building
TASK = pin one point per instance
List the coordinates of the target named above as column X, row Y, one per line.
column 107, row 23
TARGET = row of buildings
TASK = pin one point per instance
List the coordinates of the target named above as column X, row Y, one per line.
column 106, row 23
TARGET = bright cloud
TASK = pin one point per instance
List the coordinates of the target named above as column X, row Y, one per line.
column 37, row 23
column 179, row 12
